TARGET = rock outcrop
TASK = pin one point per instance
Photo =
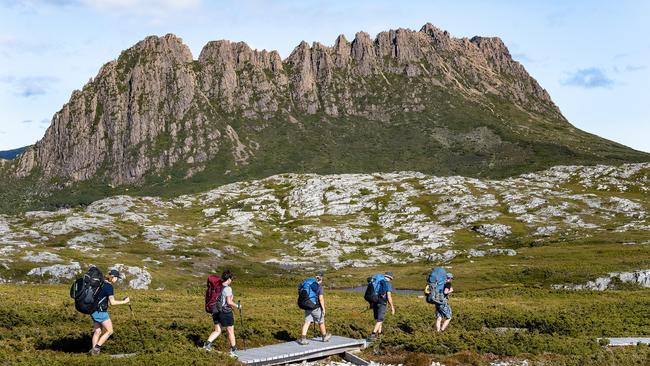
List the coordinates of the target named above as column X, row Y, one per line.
column 640, row 278
column 311, row 221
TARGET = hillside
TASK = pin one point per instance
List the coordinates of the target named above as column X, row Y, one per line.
column 523, row 250
column 564, row 226
column 161, row 122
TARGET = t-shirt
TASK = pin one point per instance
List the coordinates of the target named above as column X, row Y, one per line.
column 225, row 293
column 102, row 296
column 384, row 288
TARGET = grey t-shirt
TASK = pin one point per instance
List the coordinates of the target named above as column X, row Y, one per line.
column 225, row 292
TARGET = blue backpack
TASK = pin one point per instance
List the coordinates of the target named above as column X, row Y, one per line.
column 434, row 292
column 307, row 297
column 376, row 288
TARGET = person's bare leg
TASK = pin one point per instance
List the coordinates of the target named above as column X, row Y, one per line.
column 108, row 327
column 97, row 332
column 377, row 328
column 215, row 333
column 231, row 336
column 323, row 331
column 445, row 324
column 305, row 328
column 438, row 321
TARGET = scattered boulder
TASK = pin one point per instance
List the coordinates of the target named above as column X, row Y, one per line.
column 497, row 231
column 57, row 273
column 443, row 257
column 139, row 278
column 641, row 278
column 545, row 230
column 41, row 257
column 491, row 251
column 115, row 205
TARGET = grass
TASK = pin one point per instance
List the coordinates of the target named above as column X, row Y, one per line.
column 38, row 325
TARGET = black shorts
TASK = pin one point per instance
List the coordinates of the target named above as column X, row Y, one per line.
column 223, row 319
column 379, row 311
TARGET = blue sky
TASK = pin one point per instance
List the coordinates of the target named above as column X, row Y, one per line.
column 593, row 57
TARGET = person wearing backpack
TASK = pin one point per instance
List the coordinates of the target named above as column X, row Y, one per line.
column 100, row 317
column 311, row 299
column 383, row 290
column 443, row 310
column 222, row 314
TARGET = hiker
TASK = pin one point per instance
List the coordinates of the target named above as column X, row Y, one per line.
column 312, row 301
column 381, row 285
column 100, row 317
column 222, row 314
column 443, row 310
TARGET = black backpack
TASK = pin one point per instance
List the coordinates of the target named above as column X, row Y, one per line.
column 371, row 296
column 306, row 296
column 84, row 291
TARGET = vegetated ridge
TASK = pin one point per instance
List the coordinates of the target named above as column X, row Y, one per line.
column 11, row 154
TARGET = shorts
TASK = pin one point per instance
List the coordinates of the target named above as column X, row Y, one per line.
column 315, row 316
column 379, row 311
column 223, row 319
column 100, row 316
column 443, row 310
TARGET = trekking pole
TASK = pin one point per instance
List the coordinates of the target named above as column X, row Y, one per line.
column 241, row 320
column 136, row 326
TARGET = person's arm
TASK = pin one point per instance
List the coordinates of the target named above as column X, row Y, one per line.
column 389, row 296
column 321, row 300
column 448, row 290
column 112, row 301
column 231, row 303
column 230, row 299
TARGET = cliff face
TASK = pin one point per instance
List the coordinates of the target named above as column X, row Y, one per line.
column 155, row 108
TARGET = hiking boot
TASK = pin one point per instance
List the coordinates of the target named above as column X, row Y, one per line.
column 303, row 341
column 233, row 353
column 326, row 337
column 207, row 346
column 372, row 337
column 95, row 351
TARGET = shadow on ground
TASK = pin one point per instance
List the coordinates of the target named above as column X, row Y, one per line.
column 71, row 344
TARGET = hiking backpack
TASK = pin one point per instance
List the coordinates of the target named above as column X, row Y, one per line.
column 374, row 289
column 213, row 294
column 307, row 297
column 434, row 292
column 84, row 291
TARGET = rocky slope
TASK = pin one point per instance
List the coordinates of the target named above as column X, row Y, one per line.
column 349, row 221
column 405, row 100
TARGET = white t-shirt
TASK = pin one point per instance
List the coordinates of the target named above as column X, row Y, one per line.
column 225, row 292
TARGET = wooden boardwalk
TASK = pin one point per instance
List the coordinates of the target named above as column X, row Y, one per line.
column 628, row 341
column 288, row 352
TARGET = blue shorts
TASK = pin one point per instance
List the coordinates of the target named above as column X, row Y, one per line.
column 443, row 310
column 100, row 316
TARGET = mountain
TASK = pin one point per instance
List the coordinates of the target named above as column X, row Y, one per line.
column 11, row 154
column 159, row 121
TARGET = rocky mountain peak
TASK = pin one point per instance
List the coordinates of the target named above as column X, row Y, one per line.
column 155, row 108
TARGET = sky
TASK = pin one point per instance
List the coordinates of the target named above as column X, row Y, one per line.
column 593, row 57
